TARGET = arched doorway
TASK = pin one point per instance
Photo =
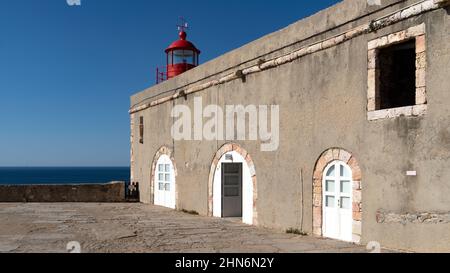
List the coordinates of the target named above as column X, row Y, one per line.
column 337, row 196
column 232, row 185
column 163, row 181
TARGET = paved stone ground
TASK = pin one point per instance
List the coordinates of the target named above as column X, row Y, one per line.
column 135, row 228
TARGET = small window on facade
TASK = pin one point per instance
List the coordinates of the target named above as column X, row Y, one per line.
column 141, row 130
column 397, row 75
column 397, row 78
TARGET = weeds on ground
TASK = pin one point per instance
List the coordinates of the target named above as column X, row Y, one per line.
column 192, row 212
column 296, row 231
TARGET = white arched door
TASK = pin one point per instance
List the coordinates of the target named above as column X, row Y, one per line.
column 337, row 201
column 164, row 188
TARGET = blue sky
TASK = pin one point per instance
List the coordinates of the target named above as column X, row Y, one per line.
column 66, row 73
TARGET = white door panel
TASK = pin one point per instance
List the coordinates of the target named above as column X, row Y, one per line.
column 337, row 202
column 164, row 187
column 346, row 225
column 330, row 222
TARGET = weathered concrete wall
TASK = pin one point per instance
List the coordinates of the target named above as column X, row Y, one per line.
column 91, row 193
column 323, row 104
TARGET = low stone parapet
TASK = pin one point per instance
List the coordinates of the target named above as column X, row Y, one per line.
column 89, row 193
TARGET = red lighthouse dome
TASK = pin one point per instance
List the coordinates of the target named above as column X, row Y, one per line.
column 182, row 56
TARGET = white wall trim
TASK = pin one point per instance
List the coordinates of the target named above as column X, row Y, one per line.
column 408, row 111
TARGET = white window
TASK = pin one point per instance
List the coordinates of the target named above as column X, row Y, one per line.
column 164, row 177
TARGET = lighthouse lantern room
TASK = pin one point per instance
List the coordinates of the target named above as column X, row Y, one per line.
column 182, row 56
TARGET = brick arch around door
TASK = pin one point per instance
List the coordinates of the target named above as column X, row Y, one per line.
column 232, row 147
column 329, row 156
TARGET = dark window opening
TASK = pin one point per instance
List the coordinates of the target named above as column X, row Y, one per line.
column 397, row 78
column 141, row 130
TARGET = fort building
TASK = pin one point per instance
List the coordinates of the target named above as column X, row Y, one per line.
column 355, row 104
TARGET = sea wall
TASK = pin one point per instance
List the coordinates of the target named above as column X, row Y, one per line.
column 90, row 193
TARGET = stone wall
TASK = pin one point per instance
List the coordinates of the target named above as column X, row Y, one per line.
column 412, row 218
column 95, row 193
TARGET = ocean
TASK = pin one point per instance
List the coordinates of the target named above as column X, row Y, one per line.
column 62, row 175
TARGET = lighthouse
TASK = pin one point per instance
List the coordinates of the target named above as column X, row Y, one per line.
column 181, row 56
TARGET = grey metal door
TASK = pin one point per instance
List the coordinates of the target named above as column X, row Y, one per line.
column 231, row 189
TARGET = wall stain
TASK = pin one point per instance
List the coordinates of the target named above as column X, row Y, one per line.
column 406, row 129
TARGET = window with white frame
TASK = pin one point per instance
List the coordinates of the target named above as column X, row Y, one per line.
column 338, row 186
column 164, row 179
column 397, row 75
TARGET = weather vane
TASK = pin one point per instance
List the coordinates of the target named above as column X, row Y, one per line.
column 183, row 25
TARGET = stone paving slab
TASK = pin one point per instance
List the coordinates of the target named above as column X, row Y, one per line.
column 139, row 228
